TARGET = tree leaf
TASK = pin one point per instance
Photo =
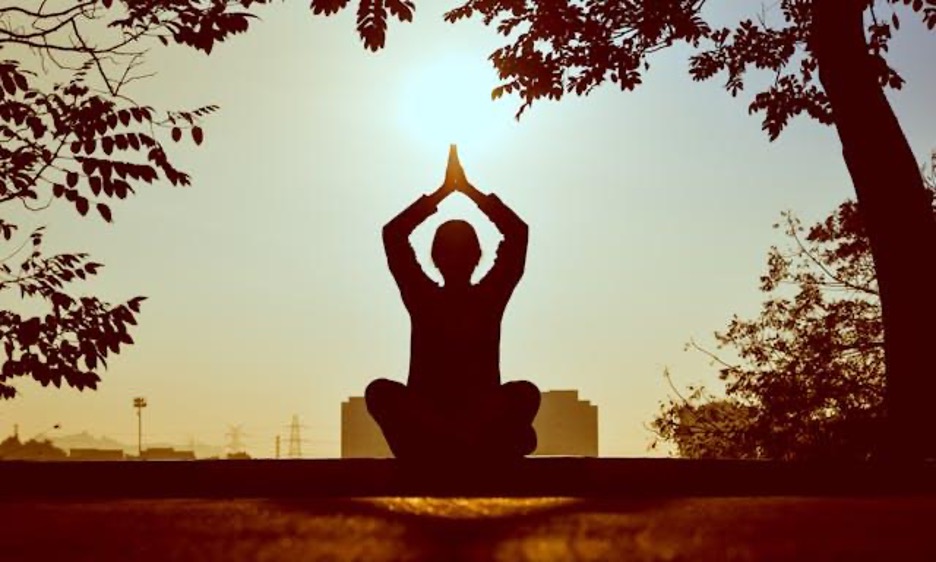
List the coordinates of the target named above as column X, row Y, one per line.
column 20, row 80
column 8, row 84
column 372, row 23
column 327, row 7
column 105, row 212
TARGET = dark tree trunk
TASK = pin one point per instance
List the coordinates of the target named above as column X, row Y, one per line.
column 898, row 217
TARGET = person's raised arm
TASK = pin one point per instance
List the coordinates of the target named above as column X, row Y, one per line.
column 401, row 258
column 508, row 222
column 504, row 218
column 401, row 226
column 511, row 254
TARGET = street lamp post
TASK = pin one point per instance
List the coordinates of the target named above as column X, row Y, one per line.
column 139, row 403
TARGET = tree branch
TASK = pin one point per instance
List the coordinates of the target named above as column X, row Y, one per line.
column 825, row 270
column 39, row 15
column 39, row 32
column 692, row 344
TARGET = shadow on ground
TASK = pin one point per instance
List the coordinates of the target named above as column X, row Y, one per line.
column 427, row 529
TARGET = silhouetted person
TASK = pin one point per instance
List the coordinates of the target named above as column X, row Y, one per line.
column 454, row 404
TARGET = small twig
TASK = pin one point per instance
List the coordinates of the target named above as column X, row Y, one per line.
column 824, row 269
column 692, row 343
column 669, row 382
column 39, row 14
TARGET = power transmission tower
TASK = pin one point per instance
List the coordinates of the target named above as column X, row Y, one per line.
column 295, row 439
column 235, row 434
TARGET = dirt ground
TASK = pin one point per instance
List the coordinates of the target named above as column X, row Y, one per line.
column 426, row 529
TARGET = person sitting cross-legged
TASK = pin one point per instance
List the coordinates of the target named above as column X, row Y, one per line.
column 454, row 404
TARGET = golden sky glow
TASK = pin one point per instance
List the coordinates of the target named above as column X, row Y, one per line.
column 649, row 215
column 446, row 99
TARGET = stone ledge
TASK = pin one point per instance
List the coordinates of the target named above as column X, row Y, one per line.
column 531, row 477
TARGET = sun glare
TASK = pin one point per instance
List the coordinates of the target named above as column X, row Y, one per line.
column 448, row 100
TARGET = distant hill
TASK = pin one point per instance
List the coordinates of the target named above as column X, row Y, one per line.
column 85, row 440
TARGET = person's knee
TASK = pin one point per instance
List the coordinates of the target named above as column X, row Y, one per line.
column 523, row 397
column 381, row 395
column 528, row 441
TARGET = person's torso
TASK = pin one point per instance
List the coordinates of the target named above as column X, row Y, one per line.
column 455, row 341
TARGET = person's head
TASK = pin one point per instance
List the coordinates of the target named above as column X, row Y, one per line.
column 456, row 251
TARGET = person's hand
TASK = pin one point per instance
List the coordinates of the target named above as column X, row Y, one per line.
column 454, row 173
column 442, row 192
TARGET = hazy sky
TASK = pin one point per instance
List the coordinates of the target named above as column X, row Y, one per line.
column 650, row 216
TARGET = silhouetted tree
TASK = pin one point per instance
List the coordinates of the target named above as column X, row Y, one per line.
column 702, row 426
column 70, row 132
column 809, row 381
column 12, row 449
column 825, row 58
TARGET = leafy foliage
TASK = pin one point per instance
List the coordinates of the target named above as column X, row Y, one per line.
column 372, row 17
column 567, row 46
column 702, row 426
column 75, row 338
column 71, row 133
column 809, row 381
column 12, row 448
column 573, row 47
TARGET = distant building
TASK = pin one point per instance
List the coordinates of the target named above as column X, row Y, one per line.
column 565, row 425
column 360, row 434
column 166, row 454
column 88, row 454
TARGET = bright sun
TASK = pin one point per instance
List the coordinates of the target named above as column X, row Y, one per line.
column 449, row 101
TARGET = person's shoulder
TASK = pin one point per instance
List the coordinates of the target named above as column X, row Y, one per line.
column 428, row 288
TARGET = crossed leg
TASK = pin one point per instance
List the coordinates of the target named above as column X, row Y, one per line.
column 417, row 426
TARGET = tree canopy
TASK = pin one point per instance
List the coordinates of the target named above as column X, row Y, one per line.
column 71, row 133
column 567, row 47
column 809, row 379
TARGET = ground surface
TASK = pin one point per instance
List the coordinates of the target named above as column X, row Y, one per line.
column 452, row 529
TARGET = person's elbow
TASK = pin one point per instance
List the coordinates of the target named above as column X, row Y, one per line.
column 390, row 232
column 523, row 228
column 520, row 232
